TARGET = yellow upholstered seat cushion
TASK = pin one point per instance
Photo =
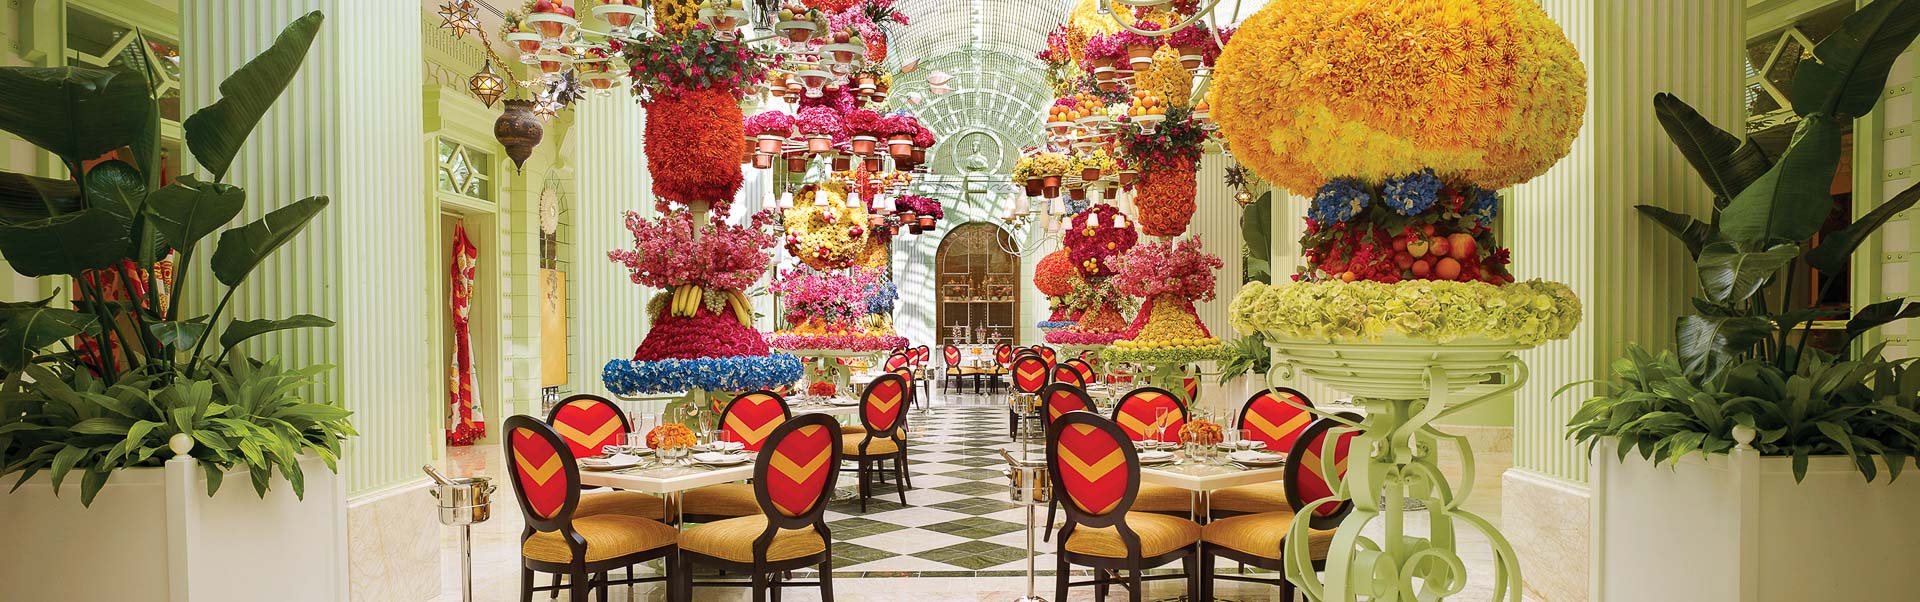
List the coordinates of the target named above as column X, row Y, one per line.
column 625, row 503
column 1261, row 534
column 725, row 499
column 972, row 371
column 1252, row 499
column 853, row 429
column 850, row 445
column 1159, row 534
column 732, row 540
column 608, row 536
column 1162, row 498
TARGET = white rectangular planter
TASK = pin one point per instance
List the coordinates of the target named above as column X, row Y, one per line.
column 1737, row 528
column 153, row 535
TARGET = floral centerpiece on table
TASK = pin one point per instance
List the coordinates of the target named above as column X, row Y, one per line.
column 1202, row 432
column 1171, row 276
column 671, row 436
column 1054, row 276
column 826, row 311
column 1091, row 237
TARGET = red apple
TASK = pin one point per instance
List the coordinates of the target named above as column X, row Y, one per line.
column 1427, row 229
column 1403, row 260
column 1440, row 247
column 1400, row 244
column 1464, row 246
column 1421, row 268
column 1447, row 269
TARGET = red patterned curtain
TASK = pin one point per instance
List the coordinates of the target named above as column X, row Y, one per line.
column 465, row 424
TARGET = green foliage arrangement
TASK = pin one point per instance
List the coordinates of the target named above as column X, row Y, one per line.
column 1734, row 363
column 142, row 375
column 1246, row 355
column 1426, row 310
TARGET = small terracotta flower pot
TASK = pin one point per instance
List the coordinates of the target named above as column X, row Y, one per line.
column 873, row 163
column 1109, row 193
column 796, row 163
column 1033, row 187
column 770, row 143
column 925, row 221
column 1052, row 192
column 1127, row 176
column 1090, row 174
column 1050, row 182
column 863, row 145
column 919, row 155
column 842, row 163
column 1140, row 56
column 819, row 144
column 900, row 146
column 1078, row 194
column 762, row 160
column 906, row 217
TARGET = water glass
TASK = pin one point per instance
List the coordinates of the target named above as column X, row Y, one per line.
column 1245, row 439
column 1230, row 439
column 636, row 441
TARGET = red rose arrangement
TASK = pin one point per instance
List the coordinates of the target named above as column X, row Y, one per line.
column 693, row 147
column 821, row 388
column 1091, row 237
column 1165, row 198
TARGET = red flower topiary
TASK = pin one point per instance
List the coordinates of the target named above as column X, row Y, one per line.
column 693, row 146
column 1165, row 198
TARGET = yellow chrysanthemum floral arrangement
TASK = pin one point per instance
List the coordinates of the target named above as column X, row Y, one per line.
column 827, row 237
column 1439, row 311
column 1482, row 91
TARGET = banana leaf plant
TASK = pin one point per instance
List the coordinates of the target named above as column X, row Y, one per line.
column 106, row 383
column 1767, row 211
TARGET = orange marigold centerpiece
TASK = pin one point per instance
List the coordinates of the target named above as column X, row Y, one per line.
column 671, row 436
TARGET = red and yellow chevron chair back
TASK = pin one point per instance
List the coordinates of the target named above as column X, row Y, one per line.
column 1029, row 374
column 1137, row 410
column 542, row 471
column 1276, row 417
column 751, row 417
column 952, row 354
column 1094, row 467
column 1047, row 353
column 1060, row 398
column 1192, row 385
column 896, row 361
column 796, row 468
column 1085, row 369
column 883, row 402
column 1312, row 476
column 921, row 354
column 588, row 423
column 1002, row 354
column 1064, row 373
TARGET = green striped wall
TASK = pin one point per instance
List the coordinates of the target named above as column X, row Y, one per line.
column 610, row 176
column 341, row 130
column 1576, row 224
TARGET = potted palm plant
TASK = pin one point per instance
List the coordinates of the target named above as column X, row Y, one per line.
column 123, row 408
column 1744, row 464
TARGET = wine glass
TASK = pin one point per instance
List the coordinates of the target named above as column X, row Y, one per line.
column 1160, row 423
column 1243, row 439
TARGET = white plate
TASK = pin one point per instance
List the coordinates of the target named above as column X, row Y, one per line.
column 721, row 459
column 1257, row 458
column 1155, row 457
column 723, row 446
column 617, row 462
column 843, row 402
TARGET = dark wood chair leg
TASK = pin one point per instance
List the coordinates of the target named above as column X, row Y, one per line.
column 526, row 584
column 579, row 586
column 1206, row 574
column 866, row 484
column 554, row 594
column 1134, row 587
column 681, row 576
column 1192, row 565
column 1060, row 575
column 759, row 587
column 1053, row 506
column 600, row 593
column 826, row 579
column 900, row 477
column 1102, row 580
column 776, row 584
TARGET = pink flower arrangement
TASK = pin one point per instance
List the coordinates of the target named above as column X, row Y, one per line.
column 1179, row 268
column 706, row 334
column 728, row 257
column 821, row 121
column 1066, row 101
column 922, row 137
column 841, row 100
column 1127, row 39
column 1069, row 337
column 772, row 123
column 1103, row 47
column 828, row 297
column 863, row 122
column 899, row 124
column 919, row 205
column 1195, row 36
column 839, row 342
column 1090, row 239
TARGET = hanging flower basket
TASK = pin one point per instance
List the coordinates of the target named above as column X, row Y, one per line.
column 1141, row 55
column 900, row 145
column 863, row 145
column 817, row 144
column 1078, row 194
column 1127, row 176
column 1109, row 193
column 925, row 221
column 1090, row 174
column 796, row 163
column 762, row 160
column 907, row 216
column 842, row 162
column 918, row 155
column 1033, row 186
column 873, row 163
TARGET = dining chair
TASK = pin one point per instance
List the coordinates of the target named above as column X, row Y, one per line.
column 1056, row 400
column 1066, row 373
column 1277, row 418
column 1047, row 353
column 1135, row 414
column 792, row 480
column 588, row 424
column 748, row 419
column 896, row 360
column 1029, row 377
column 883, row 413
column 919, row 357
column 1191, row 384
column 954, row 370
column 1096, row 474
column 1316, row 464
column 557, row 539
column 1081, row 366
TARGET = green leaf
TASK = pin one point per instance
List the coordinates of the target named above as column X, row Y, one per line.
column 1849, row 68
column 1730, row 275
column 26, row 331
column 92, row 481
column 189, row 210
column 1793, row 198
column 241, row 330
column 1692, row 232
column 65, row 244
column 25, row 198
column 77, row 113
column 1836, row 248
column 179, row 335
column 216, row 133
column 63, row 462
column 1875, row 315
column 101, row 426
column 1727, row 163
column 242, row 249
column 1709, row 344
column 214, row 475
column 116, row 187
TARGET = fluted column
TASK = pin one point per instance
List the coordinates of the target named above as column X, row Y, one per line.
column 611, row 176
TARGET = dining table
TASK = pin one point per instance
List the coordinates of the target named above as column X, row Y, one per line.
column 668, row 481
column 1202, row 479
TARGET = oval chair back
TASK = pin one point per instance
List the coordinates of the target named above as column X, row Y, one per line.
column 1136, row 411
column 1276, row 417
column 1047, row 353
column 1029, row 374
column 883, row 405
column 751, row 417
column 921, row 354
column 794, row 473
column 913, row 390
column 1080, row 365
column 1192, row 386
column 1060, row 398
column 1002, row 354
column 1064, row 373
column 1314, row 472
column 1095, row 472
column 952, row 355
column 545, row 477
column 897, row 360
column 589, row 423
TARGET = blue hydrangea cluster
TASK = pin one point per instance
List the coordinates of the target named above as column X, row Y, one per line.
column 1485, row 206
column 1055, row 324
column 741, row 373
column 1339, row 201
column 1411, row 194
column 881, row 296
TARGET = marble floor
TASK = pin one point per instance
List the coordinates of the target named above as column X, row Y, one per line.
column 956, row 537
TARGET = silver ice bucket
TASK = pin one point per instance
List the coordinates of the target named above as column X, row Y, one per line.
column 1028, row 480
column 464, row 501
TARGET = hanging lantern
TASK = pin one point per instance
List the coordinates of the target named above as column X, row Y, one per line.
column 486, row 85
column 820, row 197
column 786, row 198
column 1244, row 198
column 518, row 130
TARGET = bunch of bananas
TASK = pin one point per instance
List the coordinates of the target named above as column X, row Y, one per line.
column 685, row 301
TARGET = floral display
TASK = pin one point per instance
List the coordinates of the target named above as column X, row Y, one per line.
column 822, row 388
column 1054, row 275
column 1413, row 227
column 693, row 146
column 1311, row 91
column 671, row 435
column 666, row 66
column 728, row 257
column 824, row 298
column 1092, row 236
column 881, row 296
column 1164, row 196
column 738, row 373
column 830, row 236
column 1098, row 161
column 821, row 121
column 836, row 342
column 1528, row 312
column 1176, row 141
column 863, row 122
column 1202, row 432
column 919, row 206
column 770, row 123
column 1180, row 268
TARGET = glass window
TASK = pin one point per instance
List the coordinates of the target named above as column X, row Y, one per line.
column 100, row 42
column 459, row 169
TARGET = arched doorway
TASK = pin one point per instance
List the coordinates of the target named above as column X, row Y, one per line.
column 977, row 284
